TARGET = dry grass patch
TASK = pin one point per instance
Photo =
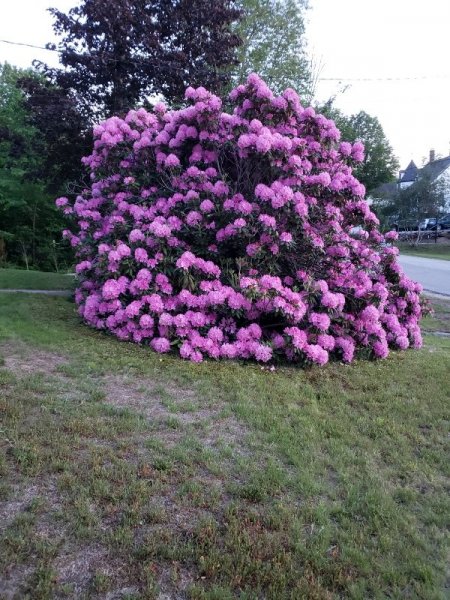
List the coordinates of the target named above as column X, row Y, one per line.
column 22, row 360
column 139, row 467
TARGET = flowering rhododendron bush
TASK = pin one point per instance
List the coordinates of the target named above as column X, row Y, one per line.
column 231, row 233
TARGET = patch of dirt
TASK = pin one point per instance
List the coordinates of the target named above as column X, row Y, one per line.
column 46, row 528
column 10, row 509
column 75, row 567
column 124, row 592
column 124, row 392
column 332, row 477
column 76, row 564
column 228, row 431
column 174, row 583
column 213, row 428
column 12, row 581
column 22, row 497
column 21, row 360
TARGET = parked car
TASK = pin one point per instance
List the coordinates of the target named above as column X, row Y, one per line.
column 443, row 223
column 427, row 223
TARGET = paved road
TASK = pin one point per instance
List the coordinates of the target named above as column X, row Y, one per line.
column 432, row 273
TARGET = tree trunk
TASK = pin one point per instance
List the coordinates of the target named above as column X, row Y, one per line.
column 24, row 254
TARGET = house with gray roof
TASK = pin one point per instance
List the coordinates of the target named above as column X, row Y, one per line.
column 408, row 176
column 436, row 170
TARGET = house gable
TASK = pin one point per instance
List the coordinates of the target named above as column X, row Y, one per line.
column 408, row 176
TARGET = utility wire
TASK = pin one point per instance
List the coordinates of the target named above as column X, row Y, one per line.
column 339, row 79
column 417, row 78
column 28, row 45
column 160, row 63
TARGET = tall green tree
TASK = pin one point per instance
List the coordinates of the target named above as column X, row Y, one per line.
column 380, row 164
column 19, row 140
column 29, row 221
column 273, row 44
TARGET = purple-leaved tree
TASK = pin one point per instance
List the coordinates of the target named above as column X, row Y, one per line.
column 115, row 53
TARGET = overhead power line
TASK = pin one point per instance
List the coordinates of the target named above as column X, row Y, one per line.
column 28, row 45
column 416, row 78
column 161, row 63
column 338, row 79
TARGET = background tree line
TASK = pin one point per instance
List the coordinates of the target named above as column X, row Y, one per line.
column 118, row 54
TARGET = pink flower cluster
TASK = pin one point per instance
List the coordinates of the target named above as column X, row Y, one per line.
column 229, row 235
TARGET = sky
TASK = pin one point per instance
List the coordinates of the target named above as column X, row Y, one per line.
column 402, row 46
column 381, row 39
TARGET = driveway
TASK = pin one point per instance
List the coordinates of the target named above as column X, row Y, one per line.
column 432, row 273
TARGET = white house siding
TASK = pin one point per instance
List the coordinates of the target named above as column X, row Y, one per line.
column 445, row 177
column 405, row 184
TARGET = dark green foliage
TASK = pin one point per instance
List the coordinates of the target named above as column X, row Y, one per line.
column 380, row 164
column 30, row 225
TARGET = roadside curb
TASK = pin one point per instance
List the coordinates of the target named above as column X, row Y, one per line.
column 436, row 333
column 432, row 294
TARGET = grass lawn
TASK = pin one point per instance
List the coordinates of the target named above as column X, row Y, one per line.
column 129, row 475
column 440, row 320
column 430, row 250
column 34, row 280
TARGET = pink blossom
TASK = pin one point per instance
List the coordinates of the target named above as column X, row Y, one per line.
column 193, row 218
column 160, row 345
column 263, row 353
column 146, row 322
column 140, row 254
column 380, row 349
column 206, row 206
column 286, row 237
column 316, row 354
column 186, row 260
column 172, row 161
column 320, row 320
column 263, row 144
column 83, row 266
column 111, row 289
column 267, row 220
column 136, row 236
